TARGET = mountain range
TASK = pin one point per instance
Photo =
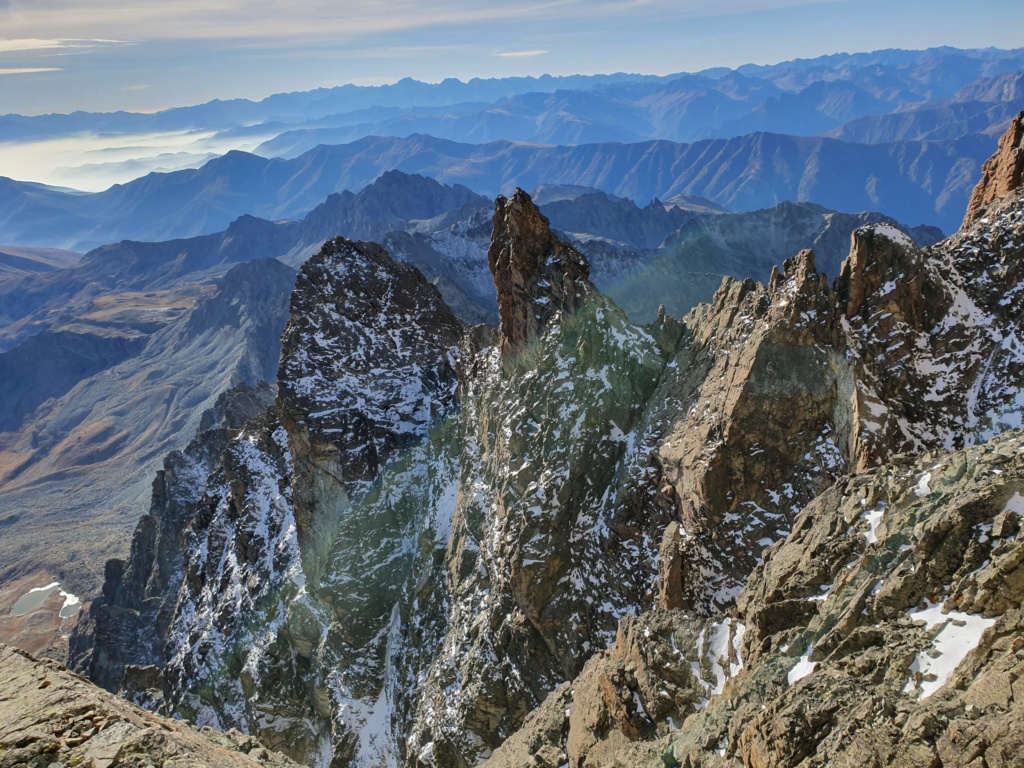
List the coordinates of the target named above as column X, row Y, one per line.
column 918, row 182
column 783, row 530
column 110, row 363
column 911, row 129
column 703, row 453
column 801, row 97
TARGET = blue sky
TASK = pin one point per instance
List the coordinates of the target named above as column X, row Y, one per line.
column 62, row 55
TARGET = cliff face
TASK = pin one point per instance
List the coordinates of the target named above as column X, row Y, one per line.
column 1002, row 173
column 129, row 621
column 436, row 527
column 536, row 277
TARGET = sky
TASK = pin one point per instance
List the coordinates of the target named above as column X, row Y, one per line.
column 105, row 55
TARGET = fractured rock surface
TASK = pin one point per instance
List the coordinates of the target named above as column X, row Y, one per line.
column 50, row 716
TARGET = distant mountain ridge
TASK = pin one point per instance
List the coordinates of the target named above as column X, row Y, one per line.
column 887, row 76
column 915, row 182
column 687, row 108
column 843, row 96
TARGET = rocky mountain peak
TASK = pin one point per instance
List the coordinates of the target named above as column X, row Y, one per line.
column 885, row 266
column 367, row 365
column 1002, row 173
column 536, row 276
column 368, row 356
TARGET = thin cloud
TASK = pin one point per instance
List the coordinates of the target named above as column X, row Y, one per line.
column 29, row 44
column 29, row 70
column 519, row 54
column 41, row 44
column 199, row 19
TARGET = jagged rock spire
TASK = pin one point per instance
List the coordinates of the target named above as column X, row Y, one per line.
column 1002, row 173
column 536, row 276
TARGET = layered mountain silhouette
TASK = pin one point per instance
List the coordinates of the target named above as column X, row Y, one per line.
column 918, row 182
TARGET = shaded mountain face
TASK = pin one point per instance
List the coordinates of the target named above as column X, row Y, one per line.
column 717, row 529
column 689, row 266
column 393, row 201
column 17, row 261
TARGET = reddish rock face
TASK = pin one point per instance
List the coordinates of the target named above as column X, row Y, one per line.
column 535, row 275
column 1002, row 173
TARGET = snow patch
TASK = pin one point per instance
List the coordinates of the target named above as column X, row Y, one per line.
column 803, row 667
column 923, row 488
column 959, row 635
column 874, row 519
column 890, row 232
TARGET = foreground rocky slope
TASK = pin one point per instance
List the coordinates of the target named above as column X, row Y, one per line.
column 884, row 630
column 49, row 716
column 438, row 526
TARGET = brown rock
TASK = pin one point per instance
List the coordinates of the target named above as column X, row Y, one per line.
column 1005, row 525
column 670, row 569
column 535, row 275
column 30, row 717
column 1002, row 173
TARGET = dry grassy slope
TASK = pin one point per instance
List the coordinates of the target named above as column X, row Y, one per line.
column 79, row 464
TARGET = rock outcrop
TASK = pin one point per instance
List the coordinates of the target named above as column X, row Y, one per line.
column 536, row 277
column 1002, row 173
column 579, row 541
column 885, row 630
column 50, row 716
column 126, row 625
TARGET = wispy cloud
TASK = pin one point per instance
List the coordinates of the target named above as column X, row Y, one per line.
column 42, row 44
column 29, row 70
column 200, row 19
column 137, row 87
column 519, row 54
column 28, row 44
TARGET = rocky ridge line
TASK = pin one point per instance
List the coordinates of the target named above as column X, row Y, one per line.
column 50, row 716
column 610, row 470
